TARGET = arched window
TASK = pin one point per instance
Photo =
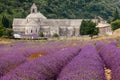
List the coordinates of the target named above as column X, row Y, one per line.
column 33, row 11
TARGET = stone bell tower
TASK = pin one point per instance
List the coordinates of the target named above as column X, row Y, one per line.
column 34, row 8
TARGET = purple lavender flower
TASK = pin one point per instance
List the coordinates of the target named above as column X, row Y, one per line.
column 10, row 62
column 111, row 56
column 85, row 66
column 44, row 68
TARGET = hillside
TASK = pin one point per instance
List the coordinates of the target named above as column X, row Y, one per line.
column 60, row 8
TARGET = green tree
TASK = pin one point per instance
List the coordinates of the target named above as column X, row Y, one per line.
column 115, row 24
column 116, row 15
column 5, row 22
column 82, row 28
column 88, row 28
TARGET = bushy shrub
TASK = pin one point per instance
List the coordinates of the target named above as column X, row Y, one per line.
column 55, row 35
column 8, row 33
column 115, row 24
column 2, row 29
column 41, row 34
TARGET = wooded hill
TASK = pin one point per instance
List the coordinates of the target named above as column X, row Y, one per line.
column 59, row 8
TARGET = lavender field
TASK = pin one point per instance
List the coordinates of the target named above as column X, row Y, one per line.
column 60, row 60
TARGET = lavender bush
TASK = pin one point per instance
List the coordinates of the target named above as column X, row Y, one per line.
column 44, row 68
column 111, row 56
column 10, row 62
column 27, row 50
column 85, row 66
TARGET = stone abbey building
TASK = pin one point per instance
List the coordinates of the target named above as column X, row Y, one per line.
column 36, row 22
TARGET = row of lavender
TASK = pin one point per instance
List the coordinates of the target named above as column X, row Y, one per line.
column 57, row 66
column 91, row 62
column 110, row 53
column 18, row 53
column 87, row 65
column 44, row 68
column 25, row 49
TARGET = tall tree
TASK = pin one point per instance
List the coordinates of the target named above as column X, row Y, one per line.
column 88, row 28
column 83, row 28
column 5, row 22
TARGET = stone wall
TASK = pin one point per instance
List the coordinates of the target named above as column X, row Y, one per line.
column 63, row 27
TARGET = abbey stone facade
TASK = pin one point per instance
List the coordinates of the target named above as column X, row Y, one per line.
column 36, row 22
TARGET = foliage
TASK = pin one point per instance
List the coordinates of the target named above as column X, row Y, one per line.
column 5, row 22
column 88, row 28
column 115, row 24
column 41, row 34
column 2, row 29
column 59, row 9
column 8, row 33
column 55, row 35
column 116, row 15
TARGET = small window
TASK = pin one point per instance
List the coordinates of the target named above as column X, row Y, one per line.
column 33, row 10
column 31, row 31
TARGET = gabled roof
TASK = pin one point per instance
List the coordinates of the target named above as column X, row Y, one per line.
column 100, row 25
column 36, row 16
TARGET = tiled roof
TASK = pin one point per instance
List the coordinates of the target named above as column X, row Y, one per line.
column 17, row 21
column 103, row 25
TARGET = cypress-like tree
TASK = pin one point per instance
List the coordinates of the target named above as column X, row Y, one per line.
column 5, row 22
column 82, row 28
